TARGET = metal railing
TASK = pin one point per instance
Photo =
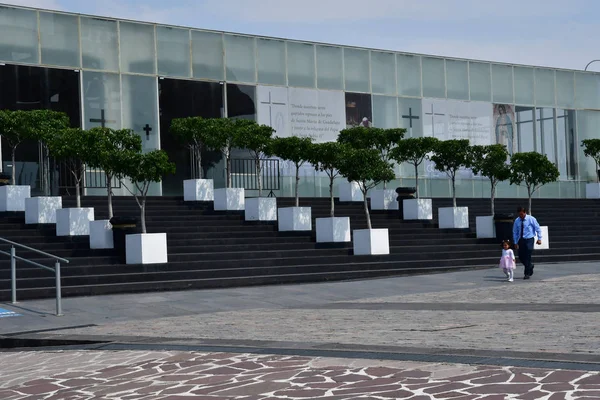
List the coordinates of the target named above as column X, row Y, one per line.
column 13, row 270
column 243, row 174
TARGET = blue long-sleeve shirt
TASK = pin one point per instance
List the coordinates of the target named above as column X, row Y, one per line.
column 530, row 228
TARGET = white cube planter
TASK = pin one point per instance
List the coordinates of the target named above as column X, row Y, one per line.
column 101, row 235
column 42, row 210
column 229, row 199
column 371, row 242
column 350, row 191
column 146, row 248
column 453, row 217
column 545, row 240
column 294, row 219
column 74, row 221
column 592, row 191
column 384, row 199
column 417, row 209
column 261, row 209
column 485, row 227
column 333, row 230
column 12, row 197
column 198, row 190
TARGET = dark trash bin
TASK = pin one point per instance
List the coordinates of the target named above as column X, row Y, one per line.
column 122, row 226
column 404, row 193
column 504, row 226
column 5, row 179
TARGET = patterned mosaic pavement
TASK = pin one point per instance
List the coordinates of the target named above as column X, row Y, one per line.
column 129, row 375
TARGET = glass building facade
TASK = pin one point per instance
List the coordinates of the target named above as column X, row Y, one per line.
column 125, row 74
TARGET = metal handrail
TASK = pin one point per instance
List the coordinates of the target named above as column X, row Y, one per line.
column 13, row 270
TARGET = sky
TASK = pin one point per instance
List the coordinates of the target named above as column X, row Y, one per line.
column 555, row 33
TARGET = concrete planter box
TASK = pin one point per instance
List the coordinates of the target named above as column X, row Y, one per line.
column 333, row 230
column 294, row 219
column 545, row 240
column 453, row 217
column 592, row 191
column 198, row 190
column 42, row 210
column 74, row 221
column 146, row 248
column 229, row 199
column 12, row 197
column 371, row 242
column 350, row 191
column 417, row 209
column 261, row 209
column 101, row 235
column 485, row 227
column 384, row 200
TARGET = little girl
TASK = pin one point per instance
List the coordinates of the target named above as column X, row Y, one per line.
column 507, row 262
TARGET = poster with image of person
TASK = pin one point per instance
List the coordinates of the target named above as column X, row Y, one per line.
column 358, row 110
column 505, row 127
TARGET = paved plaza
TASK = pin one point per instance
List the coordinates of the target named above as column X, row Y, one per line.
column 462, row 335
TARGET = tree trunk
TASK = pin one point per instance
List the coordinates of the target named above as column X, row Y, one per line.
column 384, row 185
column 228, row 171
column 493, row 196
column 529, row 194
column 454, row 191
column 14, row 167
column 198, row 151
column 143, row 214
column 597, row 174
column 259, row 177
column 366, row 209
column 332, row 211
column 416, row 181
column 296, row 185
column 77, row 194
column 109, row 192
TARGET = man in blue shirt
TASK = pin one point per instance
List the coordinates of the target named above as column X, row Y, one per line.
column 525, row 229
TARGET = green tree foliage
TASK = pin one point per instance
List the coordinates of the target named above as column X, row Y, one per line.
column 591, row 148
column 414, row 151
column 491, row 162
column 257, row 140
column 533, row 170
column 365, row 167
column 198, row 134
column 449, row 156
column 296, row 149
column 327, row 157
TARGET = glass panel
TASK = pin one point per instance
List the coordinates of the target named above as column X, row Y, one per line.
column 137, row 48
column 434, row 82
column 239, row 58
column 544, row 87
column 140, row 109
column 545, row 130
column 504, row 127
column 409, row 75
column 481, row 85
column 524, row 85
column 271, row 61
column 566, row 145
column 329, row 68
column 356, row 70
column 207, row 55
column 101, row 100
column 173, row 51
column 241, row 102
column 457, row 79
column 99, row 44
column 383, row 73
column 410, row 116
column 587, row 90
column 565, row 89
column 358, row 109
column 588, row 126
column 385, row 112
column 18, row 35
column 59, row 36
column 301, row 64
column 525, row 129
column 502, row 83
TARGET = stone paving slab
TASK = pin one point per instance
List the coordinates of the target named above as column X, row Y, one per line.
column 132, row 375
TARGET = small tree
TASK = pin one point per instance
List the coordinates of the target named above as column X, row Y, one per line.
column 365, row 167
column 414, row 151
column 327, row 157
column 196, row 132
column 295, row 149
column 74, row 147
column 221, row 134
column 591, row 148
column 13, row 128
column 257, row 140
column 450, row 156
column 143, row 169
column 491, row 162
column 533, row 170
column 112, row 148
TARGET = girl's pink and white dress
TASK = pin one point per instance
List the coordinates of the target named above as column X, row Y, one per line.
column 507, row 262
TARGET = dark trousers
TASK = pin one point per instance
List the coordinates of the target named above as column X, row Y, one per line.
column 525, row 250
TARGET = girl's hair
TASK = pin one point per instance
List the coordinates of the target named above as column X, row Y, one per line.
column 506, row 242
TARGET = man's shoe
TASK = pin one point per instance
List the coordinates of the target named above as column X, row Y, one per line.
column 526, row 277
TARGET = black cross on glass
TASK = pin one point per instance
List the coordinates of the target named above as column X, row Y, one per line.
column 147, row 129
column 271, row 104
column 433, row 114
column 410, row 117
column 102, row 121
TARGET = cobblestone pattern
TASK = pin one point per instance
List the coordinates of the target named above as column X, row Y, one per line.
column 132, row 375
